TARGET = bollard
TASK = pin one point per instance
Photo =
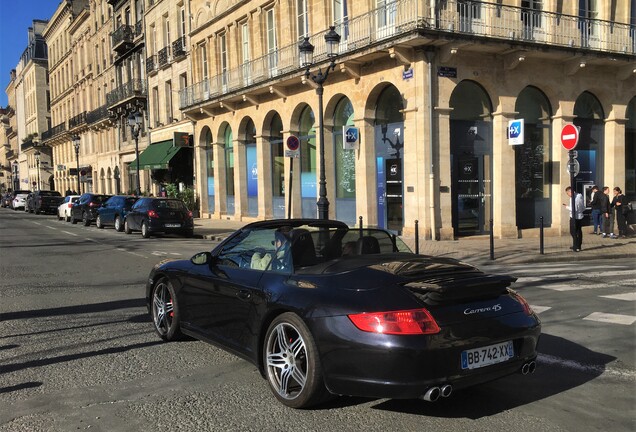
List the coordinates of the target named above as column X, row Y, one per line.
column 417, row 237
column 541, row 235
column 492, row 242
column 360, row 224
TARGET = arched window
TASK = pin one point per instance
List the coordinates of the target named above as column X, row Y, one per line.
column 345, row 164
column 249, row 141
column 532, row 160
column 278, row 166
column 471, row 159
column 228, row 140
column 209, row 165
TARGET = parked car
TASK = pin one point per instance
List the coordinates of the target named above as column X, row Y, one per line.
column 85, row 209
column 153, row 215
column 16, row 193
column 64, row 209
column 45, row 201
column 19, row 200
column 345, row 311
column 5, row 201
column 114, row 211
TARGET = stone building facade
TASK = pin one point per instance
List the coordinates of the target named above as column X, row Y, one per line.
column 432, row 87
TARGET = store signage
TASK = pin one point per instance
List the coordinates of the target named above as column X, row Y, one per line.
column 516, row 132
column 351, row 137
column 447, row 72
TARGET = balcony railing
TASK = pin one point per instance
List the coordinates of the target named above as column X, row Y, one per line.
column 403, row 17
column 27, row 145
column 10, row 154
column 179, row 47
column 163, row 56
column 76, row 121
column 54, row 131
column 98, row 114
column 133, row 88
column 122, row 37
column 151, row 64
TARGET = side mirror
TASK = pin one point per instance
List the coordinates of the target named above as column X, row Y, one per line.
column 202, row 258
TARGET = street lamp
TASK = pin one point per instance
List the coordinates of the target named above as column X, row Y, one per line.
column 134, row 121
column 76, row 144
column 37, row 162
column 397, row 145
column 306, row 49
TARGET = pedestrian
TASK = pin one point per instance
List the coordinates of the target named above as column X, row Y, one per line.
column 68, row 192
column 621, row 210
column 596, row 211
column 605, row 208
column 576, row 218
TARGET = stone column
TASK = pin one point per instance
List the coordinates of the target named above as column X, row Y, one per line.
column 220, row 191
column 263, row 165
column 240, row 180
column 445, row 212
column 614, row 152
column 503, row 178
column 560, row 176
column 415, row 193
column 366, row 176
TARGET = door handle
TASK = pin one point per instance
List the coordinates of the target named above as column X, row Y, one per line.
column 244, row 295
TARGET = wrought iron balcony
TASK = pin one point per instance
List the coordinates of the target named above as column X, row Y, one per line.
column 97, row 115
column 27, row 145
column 10, row 154
column 151, row 64
column 481, row 21
column 57, row 130
column 179, row 47
column 163, row 56
column 122, row 38
column 47, row 134
column 76, row 121
column 132, row 89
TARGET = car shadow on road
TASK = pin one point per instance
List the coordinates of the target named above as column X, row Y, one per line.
column 77, row 309
column 562, row 365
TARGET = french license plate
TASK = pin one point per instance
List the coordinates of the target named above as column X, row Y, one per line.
column 488, row 355
column 172, row 225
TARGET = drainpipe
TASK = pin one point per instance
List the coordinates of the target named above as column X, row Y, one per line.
column 430, row 56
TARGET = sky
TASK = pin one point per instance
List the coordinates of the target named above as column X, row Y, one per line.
column 16, row 16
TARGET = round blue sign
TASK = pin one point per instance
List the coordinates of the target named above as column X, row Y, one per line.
column 293, row 143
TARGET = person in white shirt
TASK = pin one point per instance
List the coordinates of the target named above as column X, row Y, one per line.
column 576, row 222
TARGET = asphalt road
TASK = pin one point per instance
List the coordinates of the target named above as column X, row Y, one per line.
column 77, row 350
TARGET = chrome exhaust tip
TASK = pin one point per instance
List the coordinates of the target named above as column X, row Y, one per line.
column 446, row 390
column 432, row 394
column 532, row 366
column 525, row 368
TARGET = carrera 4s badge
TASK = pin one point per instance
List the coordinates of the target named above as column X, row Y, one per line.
column 493, row 308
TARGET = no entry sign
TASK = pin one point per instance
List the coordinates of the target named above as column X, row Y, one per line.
column 569, row 136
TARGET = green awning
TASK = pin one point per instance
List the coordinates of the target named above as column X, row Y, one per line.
column 155, row 156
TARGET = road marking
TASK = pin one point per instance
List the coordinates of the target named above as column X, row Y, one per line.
column 50, row 227
column 132, row 253
column 539, row 309
column 37, row 223
column 91, row 240
column 611, row 318
column 586, row 368
column 70, row 233
column 627, row 296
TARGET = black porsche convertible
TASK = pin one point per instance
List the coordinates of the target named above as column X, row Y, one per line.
column 323, row 309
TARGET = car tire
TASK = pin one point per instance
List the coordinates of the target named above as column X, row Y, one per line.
column 73, row 220
column 118, row 224
column 36, row 211
column 145, row 232
column 127, row 229
column 286, row 362
column 164, row 311
column 86, row 219
column 67, row 218
column 98, row 222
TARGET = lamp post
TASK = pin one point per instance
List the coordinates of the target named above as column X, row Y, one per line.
column 134, row 121
column 37, row 162
column 397, row 145
column 306, row 49
column 76, row 144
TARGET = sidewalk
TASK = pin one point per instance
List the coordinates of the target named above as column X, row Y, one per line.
column 477, row 249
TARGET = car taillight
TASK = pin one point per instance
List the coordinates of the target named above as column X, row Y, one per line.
column 152, row 214
column 405, row 322
column 526, row 307
column 92, row 204
column 189, row 215
column 70, row 205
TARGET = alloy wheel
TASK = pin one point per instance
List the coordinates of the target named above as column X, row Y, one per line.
column 286, row 357
column 162, row 309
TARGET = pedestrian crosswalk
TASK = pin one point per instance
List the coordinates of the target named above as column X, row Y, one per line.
column 603, row 295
